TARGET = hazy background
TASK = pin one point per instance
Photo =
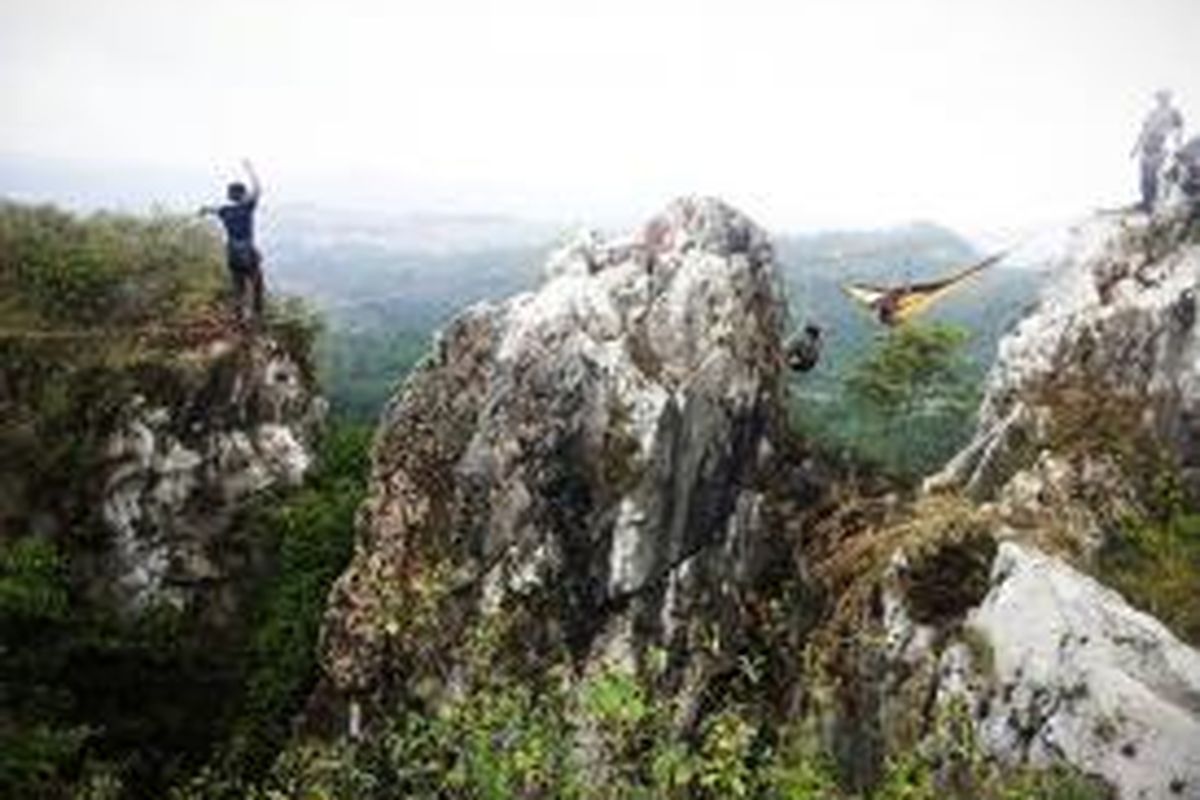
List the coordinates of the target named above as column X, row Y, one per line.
column 980, row 115
column 422, row 156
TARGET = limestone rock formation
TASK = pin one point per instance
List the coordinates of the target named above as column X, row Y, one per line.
column 1080, row 676
column 1113, row 349
column 589, row 474
column 176, row 471
column 1050, row 666
column 1094, row 398
column 582, row 463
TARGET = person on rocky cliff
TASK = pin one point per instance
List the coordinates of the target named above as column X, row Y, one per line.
column 1162, row 124
column 242, row 257
column 804, row 351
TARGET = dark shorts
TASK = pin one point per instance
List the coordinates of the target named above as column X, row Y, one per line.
column 242, row 257
column 1190, row 179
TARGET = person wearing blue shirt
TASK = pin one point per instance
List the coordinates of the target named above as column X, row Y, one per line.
column 242, row 257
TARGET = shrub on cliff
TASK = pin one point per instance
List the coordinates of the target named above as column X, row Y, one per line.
column 1154, row 560
column 57, row 268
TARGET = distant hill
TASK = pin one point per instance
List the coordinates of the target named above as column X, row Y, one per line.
column 385, row 283
column 312, row 226
column 364, row 287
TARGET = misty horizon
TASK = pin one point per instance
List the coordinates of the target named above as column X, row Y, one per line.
column 91, row 187
column 807, row 116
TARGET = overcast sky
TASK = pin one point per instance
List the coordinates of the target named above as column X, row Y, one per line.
column 976, row 113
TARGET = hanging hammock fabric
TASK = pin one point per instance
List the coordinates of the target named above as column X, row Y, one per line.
column 896, row 305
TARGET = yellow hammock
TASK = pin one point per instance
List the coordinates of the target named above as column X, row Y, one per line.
column 896, row 305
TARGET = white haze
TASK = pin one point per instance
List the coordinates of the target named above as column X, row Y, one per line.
column 975, row 113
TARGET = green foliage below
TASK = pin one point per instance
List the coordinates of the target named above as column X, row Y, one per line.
column 607, row 738
column 1151, row 555
column 125, row 708
column 362, row 369
column 905, row 407
column 33, row 601
column 32, row 583
column 83, row 689
column 914, row 367
column 312, row 532
column 950, row 765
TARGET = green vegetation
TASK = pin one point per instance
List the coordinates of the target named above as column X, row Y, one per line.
column 905, row 407
column 607, row 738
column 93, row 311
column 60, row 269
column 32, row 588
column 84, row 692
column 33, row 603
column 141, row 704
column 950, row 765
column 362, row 369
column 1151, row 552
column 1154, row 560
column 312, row 534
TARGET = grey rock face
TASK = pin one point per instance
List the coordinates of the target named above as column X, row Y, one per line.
column 1087, row 397
column 1117, row 327
column 1079, row 676
column 174, row 476
column 1050, row 667
column 590, row 450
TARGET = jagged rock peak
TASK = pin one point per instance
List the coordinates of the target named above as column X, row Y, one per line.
column 581, row 461
column 1115, row 329
column 703, row 223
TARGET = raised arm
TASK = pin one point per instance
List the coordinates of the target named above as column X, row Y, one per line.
column 255, row 185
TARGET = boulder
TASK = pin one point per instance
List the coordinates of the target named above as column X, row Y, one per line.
column 1077, row 675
